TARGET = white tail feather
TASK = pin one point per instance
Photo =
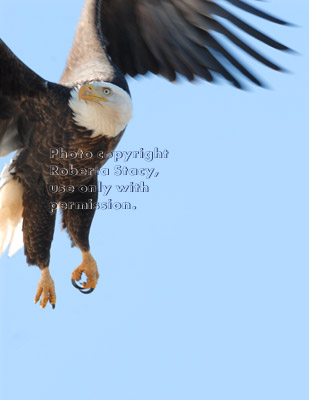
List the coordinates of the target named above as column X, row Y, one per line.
column 11, row 208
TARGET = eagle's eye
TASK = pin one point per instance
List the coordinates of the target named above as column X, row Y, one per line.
column 107, row 91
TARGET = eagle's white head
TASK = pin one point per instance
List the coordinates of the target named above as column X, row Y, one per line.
column 101, row 107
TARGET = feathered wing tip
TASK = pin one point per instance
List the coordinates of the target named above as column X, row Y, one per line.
column 11, row 208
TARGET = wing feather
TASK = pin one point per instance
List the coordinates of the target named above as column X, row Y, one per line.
column 17, row 81
column 20, row 87
column 170, row 37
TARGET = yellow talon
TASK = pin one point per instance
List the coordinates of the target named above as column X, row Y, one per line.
column 46, row 289
column 89, row 268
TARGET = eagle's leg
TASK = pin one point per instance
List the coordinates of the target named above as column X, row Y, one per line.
column 78, row 221
column 38, row 231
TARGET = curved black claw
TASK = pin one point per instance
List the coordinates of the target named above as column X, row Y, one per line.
column 76, row 285
column 86, row 291
column 81, row 289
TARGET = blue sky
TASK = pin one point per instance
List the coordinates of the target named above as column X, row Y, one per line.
column 203, row 291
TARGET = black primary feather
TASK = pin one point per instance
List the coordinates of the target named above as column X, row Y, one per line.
column 170, row 37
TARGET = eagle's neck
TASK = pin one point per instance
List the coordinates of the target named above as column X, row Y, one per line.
column 101, row 118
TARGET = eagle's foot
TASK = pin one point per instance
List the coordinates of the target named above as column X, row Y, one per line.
column 90, row 269
column 46, row 289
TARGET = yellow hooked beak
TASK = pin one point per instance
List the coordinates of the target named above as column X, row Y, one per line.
column 88, row 93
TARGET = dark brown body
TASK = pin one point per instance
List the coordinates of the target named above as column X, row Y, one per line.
column 49, row 149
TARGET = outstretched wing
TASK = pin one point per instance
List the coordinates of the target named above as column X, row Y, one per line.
column 166, row 37
column 24, row 99
column 17, row 83
column 175, row 36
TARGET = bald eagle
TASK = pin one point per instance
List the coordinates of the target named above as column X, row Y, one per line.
column 91, row 106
